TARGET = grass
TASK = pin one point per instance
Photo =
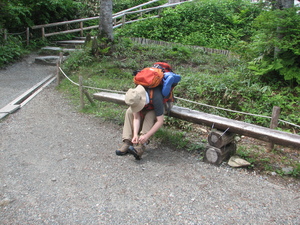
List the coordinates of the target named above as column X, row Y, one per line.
column 211, row 79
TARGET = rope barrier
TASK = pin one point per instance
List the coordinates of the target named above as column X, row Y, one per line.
column 186, row 100
column 100, row 89
column 23, row 32
column 229, row 110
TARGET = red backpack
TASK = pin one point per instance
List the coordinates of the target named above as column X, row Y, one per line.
column 149, row 77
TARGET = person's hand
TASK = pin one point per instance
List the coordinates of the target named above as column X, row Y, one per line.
column 135, row 140
column 143, row 139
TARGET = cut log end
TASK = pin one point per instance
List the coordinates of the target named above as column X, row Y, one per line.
column 216, row 156
column 219, row 139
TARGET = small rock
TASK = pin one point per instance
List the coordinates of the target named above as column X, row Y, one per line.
column 5, row 201
column 287, row 170
column 236, row 161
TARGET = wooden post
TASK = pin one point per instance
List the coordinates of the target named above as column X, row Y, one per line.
column 57, row 73
column 216, row 156
column 43, row 33
column 274, row 123
column 27, row 35
column 141, row 13
column 81, row 93
column 81, row 29
column 5, row 34
column 89, row 97
column 123, row 19
column 58, row 64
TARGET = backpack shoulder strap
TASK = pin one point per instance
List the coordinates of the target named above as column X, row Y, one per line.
column 149, row 106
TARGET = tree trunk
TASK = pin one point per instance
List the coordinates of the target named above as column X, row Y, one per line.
column 106, row 21
column 281, row 4
column 284, row 4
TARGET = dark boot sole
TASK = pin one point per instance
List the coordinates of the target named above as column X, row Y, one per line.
column 132, row 151
column 120, row 153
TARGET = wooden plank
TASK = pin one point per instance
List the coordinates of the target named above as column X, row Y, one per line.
column 2, row 115
column 9, row 108
column 65, row 22
column 30, row 91
column 218, row 122
column 110, row 97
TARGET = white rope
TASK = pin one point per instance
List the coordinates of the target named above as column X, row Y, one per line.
column 197, row 103
column 67, row 77
column 229, row 110
column 101, row 89
column 23, row 32
column 289, row 123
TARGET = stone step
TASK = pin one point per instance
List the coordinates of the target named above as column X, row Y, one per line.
column 80, row 38
column 83, row 38
column 49, row 50
column 48, row 60
column 71, row 43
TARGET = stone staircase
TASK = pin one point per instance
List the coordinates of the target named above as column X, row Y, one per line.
column 50, row 55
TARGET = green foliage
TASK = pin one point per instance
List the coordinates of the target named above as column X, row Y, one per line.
column 16, row 15
column 13, row 14
column 212, row 24
column 11, row 50
column 275, row 46
column 77, row 59
column 99, row 46
column 88, row 8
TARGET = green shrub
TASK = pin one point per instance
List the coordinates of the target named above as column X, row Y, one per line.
column 11, row 50
column 212, row 24
column 275, row 46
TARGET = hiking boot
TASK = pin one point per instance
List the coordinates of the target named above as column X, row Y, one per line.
column 123, row 150
column 137, row 151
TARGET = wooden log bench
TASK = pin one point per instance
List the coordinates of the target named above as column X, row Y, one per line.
column 221, row 144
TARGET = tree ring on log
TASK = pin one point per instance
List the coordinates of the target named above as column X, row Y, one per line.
column 212, row 155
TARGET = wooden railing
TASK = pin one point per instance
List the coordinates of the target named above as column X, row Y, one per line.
column 119, row 19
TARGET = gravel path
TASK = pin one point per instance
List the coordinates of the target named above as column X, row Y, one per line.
column 58, row 166
column 17, row 78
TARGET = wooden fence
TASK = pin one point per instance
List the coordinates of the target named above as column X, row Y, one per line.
column 208, row 50
column 119, row 19
column 26, row 34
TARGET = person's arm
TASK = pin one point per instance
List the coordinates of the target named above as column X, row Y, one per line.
column 136, row 127
column 159, row 122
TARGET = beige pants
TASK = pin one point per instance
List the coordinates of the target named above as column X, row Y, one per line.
column 148, row 120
